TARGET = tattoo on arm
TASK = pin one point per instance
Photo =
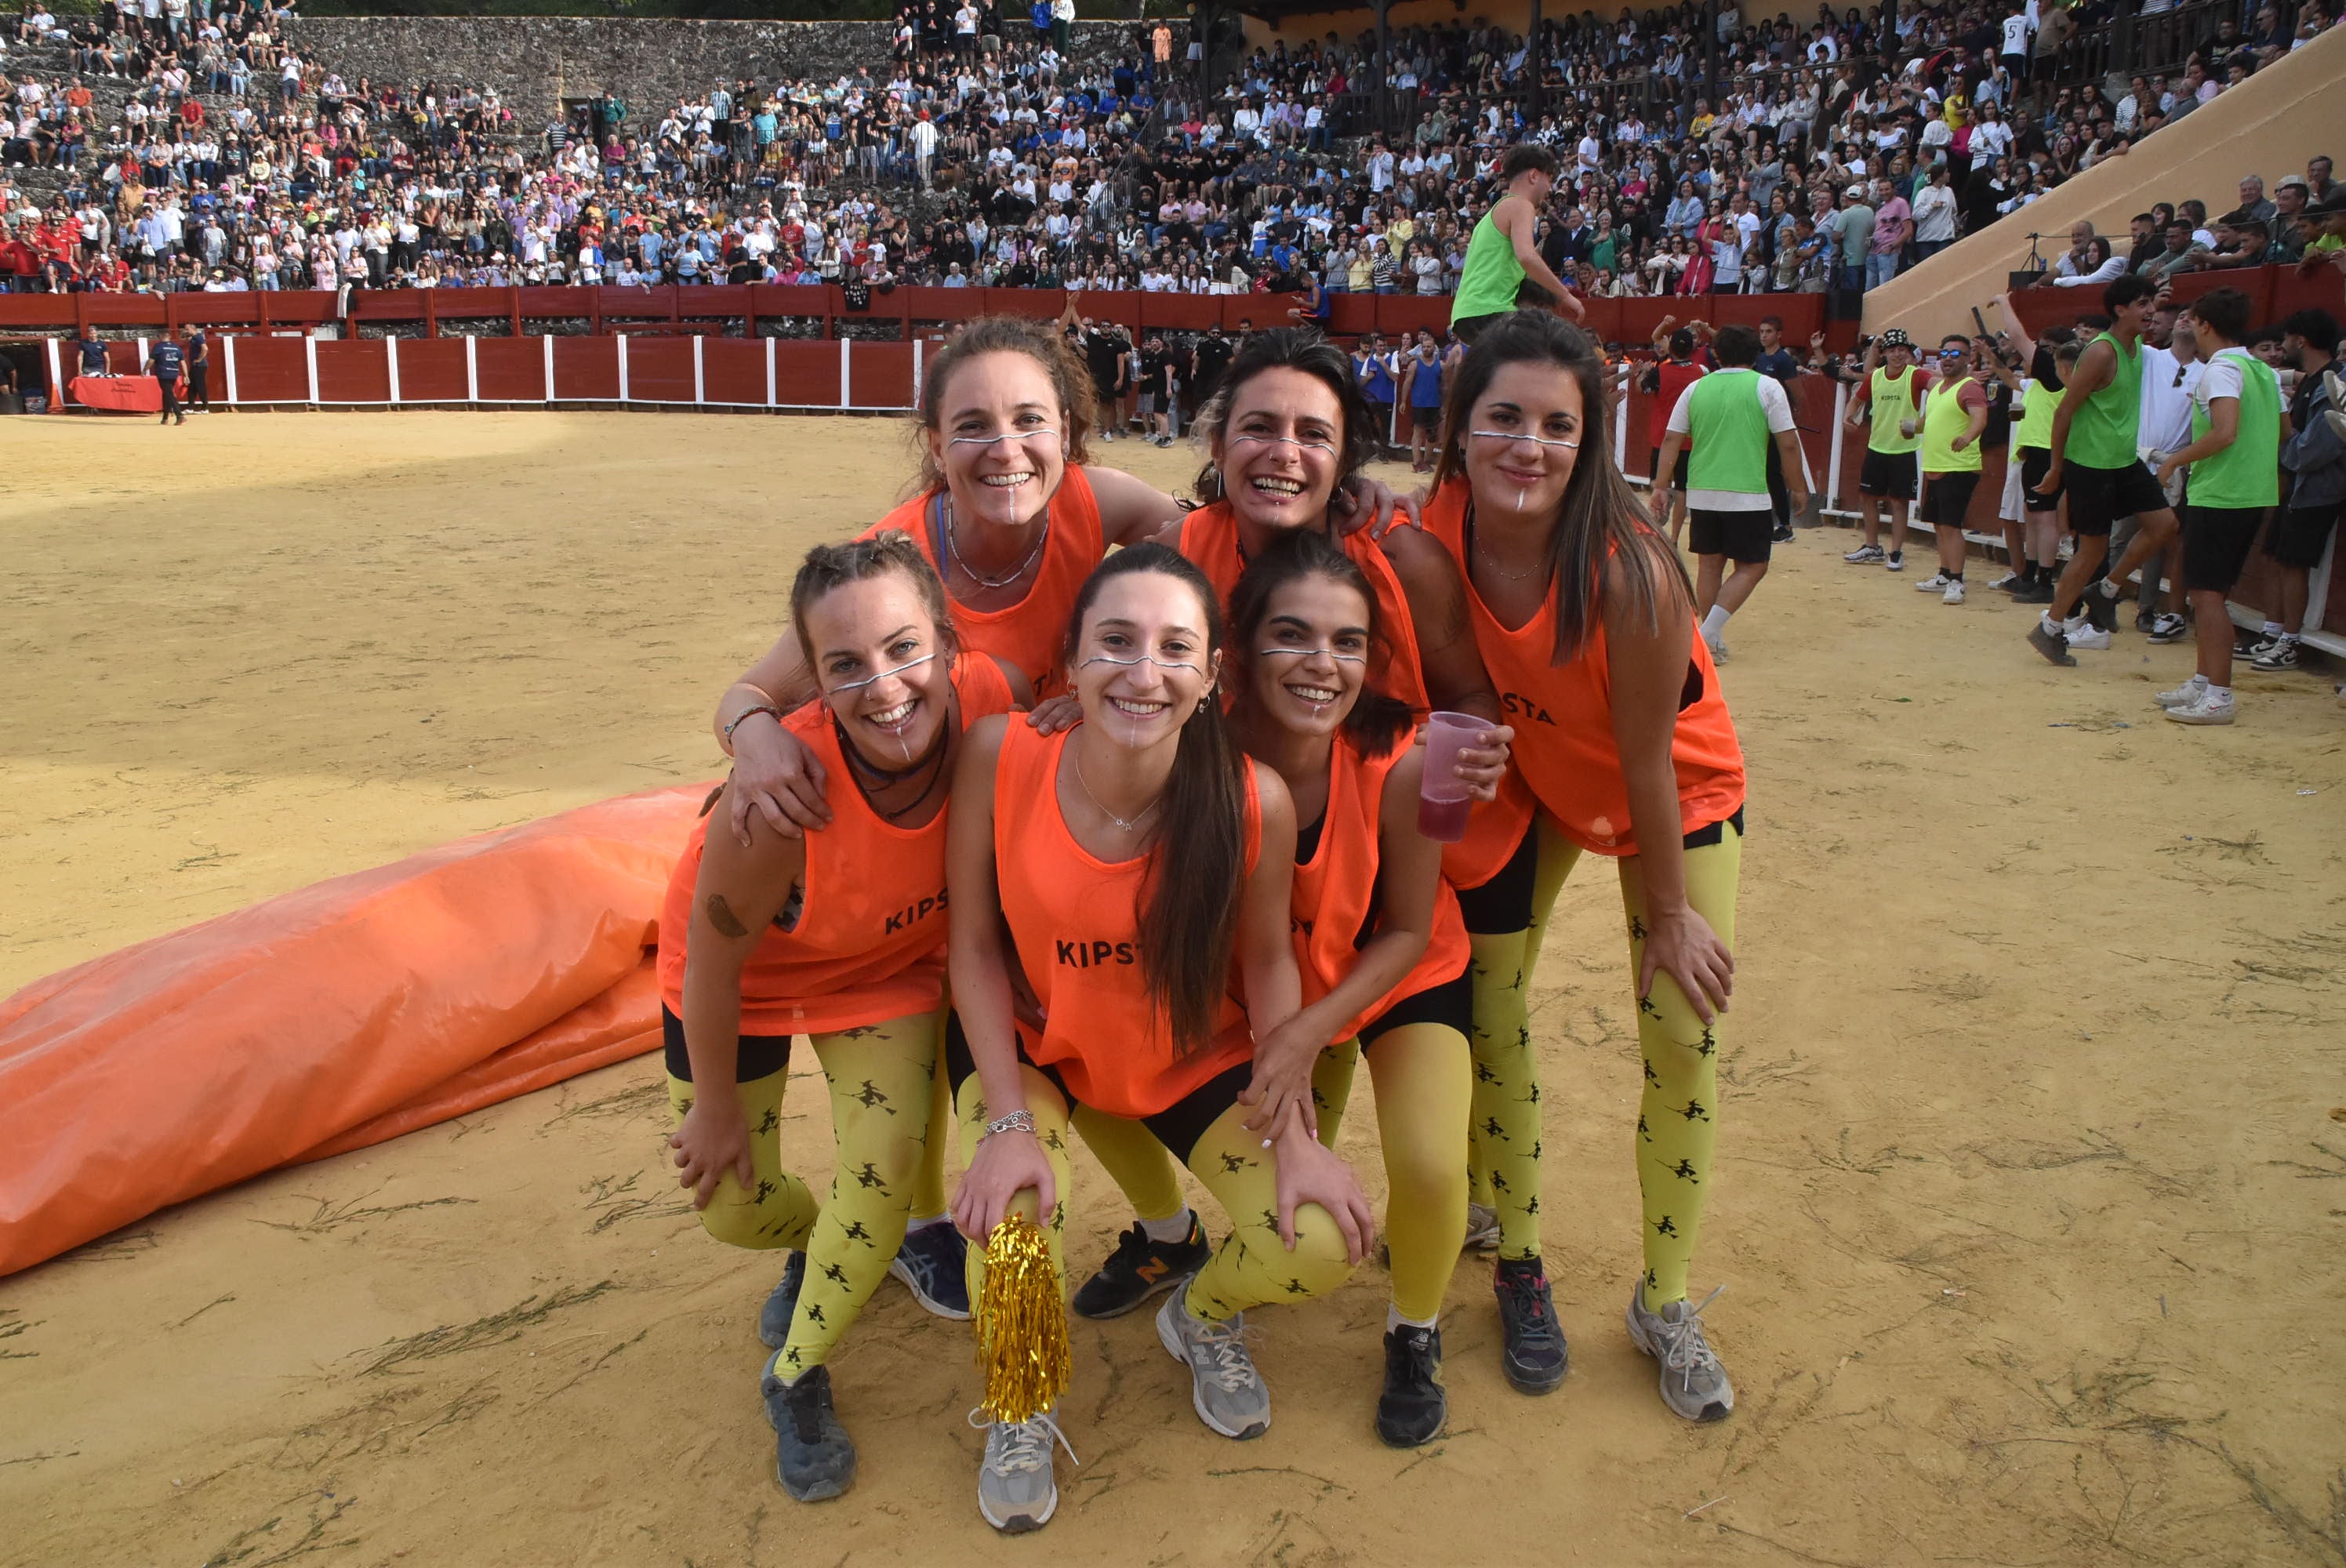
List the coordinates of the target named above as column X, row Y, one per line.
column 723, row 917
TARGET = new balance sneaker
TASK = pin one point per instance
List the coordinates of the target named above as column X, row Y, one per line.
column 1895, row 560
column 1935, row 582
column 2280, row 654
column 1228, row 1392
column 813, row 1457
column 2184, row 696
column 1532, row 1350
column 2049, row 639
column 1953, row 593
column 2206, row 708
column 2089, row 636
column 1140, row 1268
column 783, row 1304
column 1693, row 1382
column 1482, row 1228
column 2168, row 627
column 931, row 1264
column 1864, row 555
column 1017, row 1492
column 1414, row 1405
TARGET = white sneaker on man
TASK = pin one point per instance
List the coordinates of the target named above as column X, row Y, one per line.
column 1863, row 555
column 2184, row 696
column 1954, row 592
column 2086, row 635
column 1935, row 582
column 2206, row 708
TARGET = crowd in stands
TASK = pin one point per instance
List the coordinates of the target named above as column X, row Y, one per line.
column 1834, row 154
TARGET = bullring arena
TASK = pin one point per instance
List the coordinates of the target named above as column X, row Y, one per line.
column 2033, row 1132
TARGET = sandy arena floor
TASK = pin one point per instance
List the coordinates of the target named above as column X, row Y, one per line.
column 2035, row 1162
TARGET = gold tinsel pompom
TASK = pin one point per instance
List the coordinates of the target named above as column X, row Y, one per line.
column 1022, row 1324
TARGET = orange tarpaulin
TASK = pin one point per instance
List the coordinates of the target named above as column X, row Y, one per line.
column 124, row 394
column 330, row 1018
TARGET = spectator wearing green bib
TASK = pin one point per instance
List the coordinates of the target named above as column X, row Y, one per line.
column 1731, row 417
column 1954, row 414
column 1501, row 254
column 2235, row 428
column 1890, row 393
column 2093, row 458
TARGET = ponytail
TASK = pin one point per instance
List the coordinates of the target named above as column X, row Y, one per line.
column 1189, row 915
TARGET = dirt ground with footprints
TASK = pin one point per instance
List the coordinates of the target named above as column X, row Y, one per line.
column 2034, row 1139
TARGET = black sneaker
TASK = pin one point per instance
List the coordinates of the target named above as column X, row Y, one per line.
column 1140, row 1268
column 813, row 1456
column 1414, row 1405
column 933, row 1264
column 774, row 1321
column 2049, row 641
column 2145, row 620
column 1533, row 1354
column 2037, row 592
column 1782, row 533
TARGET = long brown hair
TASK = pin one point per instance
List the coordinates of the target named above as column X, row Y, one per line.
column 1377, row 720
column 1039, row 341
column 1189, row 913
column 1601, row 542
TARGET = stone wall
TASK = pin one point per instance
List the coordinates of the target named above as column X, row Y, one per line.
column 535, row 62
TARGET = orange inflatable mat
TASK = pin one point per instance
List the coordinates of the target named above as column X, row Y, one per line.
column 330, row 1018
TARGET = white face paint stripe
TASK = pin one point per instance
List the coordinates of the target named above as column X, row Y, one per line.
column 1535, row 440
column 883, row 675
column 997, row 440
column 1296, row 441
column 1306, row 653
column 1145, row 659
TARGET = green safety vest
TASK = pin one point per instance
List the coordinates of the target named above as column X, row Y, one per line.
column 1727, row 425
column 2101, row 432
column 2247, row 473
column 2033, row 431
column 1945, row 419
column 1491, row 275
column 1893, row 400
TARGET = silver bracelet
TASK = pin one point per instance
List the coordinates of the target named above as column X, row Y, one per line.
column 1015, row 1122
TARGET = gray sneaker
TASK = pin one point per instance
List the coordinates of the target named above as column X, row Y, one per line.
column 1693, row 1382
column 1226, row 1389
column 1482, row 1228
column 774, row 1318
column 1015, row 1490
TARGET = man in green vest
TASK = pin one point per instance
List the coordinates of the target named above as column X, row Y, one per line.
column 2234, row 459
column 1954, row 414
column 2094, row 462
column 1890, row 390
column 1504, row 251
column 1730, row 417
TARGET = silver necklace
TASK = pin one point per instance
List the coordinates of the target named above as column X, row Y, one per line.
column 953, row 545
column 1491, row 561
column 1082, row 784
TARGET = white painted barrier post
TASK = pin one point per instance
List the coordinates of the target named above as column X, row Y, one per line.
column 57, row 381
column 843, row 346
column 769, row 373
column 548, row 341
column 310, row 357
column 700, row 386
column 472, row 371
column 623, row 367
column 391, row 358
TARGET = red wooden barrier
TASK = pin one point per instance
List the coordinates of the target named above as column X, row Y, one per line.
column 659, row 369
column 272, row 370
column 510, row 370
column 879, row 375
column 733, row 371
column 585, row 370
column 352, row 372
column 806, row 373
column 432, row 370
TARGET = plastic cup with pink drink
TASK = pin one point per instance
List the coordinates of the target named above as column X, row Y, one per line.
column 1442, row 802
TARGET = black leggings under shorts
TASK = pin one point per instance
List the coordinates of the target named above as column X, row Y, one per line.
column 756, row 1055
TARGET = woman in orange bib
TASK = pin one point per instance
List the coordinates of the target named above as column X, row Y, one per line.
column 839, row 936
column 1136, row 872
column 1378, row 939
column 1584, row 619
column 1008, row 513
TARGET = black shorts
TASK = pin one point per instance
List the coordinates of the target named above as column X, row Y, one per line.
column 2215, row 544
column 756, row 1057
column 1380, row 417
column 2033, row 497
column 1679, row 472
column 1447, row 1002
column 1738, row 535
column 2299, row 534
column 1504, row 904
column 2098, row 497
column 1890, row 474
column 1468, row 329
column 1178, row 1126
column 1947, row 498
column 1428, row 420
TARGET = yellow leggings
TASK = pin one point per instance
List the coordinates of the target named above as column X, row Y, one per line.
column 888, row 1119
column 1506, row 1135
column 1678, row 1115
column 1419, row 1073
column 1251, row 1267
